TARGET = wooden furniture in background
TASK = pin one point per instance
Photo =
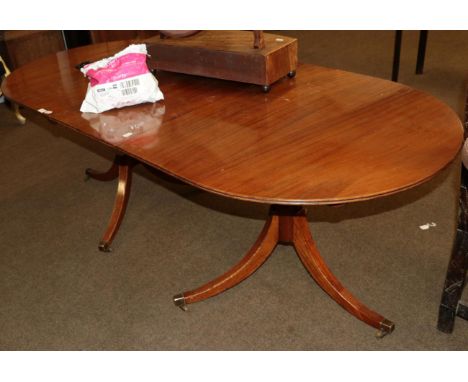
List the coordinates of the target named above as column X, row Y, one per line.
column 451, row 304
column 324, row 137
column 397, row 52
column 115, row 35
column 25, row 46
column 252, row 57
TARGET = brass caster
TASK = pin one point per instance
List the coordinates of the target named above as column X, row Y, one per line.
column 179, row 301
column 292, row 74
column 386, row 327
column 104, row 247
column 20, row 118
column 266, row 88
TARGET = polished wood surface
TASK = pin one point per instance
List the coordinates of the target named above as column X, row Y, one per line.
column 259, row 40
column 324, row 137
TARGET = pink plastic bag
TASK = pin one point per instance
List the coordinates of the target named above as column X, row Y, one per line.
column 121, row 80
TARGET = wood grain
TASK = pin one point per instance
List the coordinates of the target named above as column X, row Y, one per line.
column 324, row 137
column 254, row 259
column 255, row 58
column 308, row 253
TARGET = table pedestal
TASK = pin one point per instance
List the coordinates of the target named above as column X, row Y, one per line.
column 121, row 168
column 288, row 225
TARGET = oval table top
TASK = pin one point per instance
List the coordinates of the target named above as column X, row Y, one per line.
column 326, row 136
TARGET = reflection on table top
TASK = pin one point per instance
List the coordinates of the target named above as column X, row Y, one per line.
column 325, row 136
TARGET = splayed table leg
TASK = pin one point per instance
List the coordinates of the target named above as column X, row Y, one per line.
column 121, row 169
column 288, row 225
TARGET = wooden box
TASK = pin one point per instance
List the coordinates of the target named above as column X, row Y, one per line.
column 228, row 55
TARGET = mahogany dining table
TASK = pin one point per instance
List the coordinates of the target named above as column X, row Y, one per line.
column 324, row 137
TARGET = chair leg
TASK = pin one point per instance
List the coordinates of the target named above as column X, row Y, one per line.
column 454, row 284
column 396, row 55
column 421, row 52
column 456, row 273
column 18, row 114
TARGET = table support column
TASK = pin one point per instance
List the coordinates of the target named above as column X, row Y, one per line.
column 288, row 225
